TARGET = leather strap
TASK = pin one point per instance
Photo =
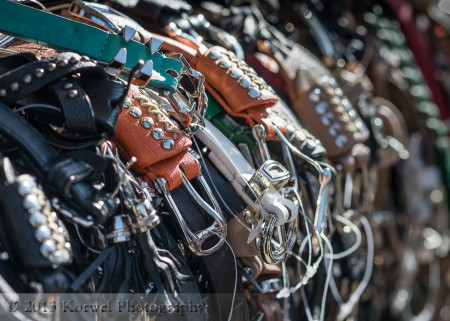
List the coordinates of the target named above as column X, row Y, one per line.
column 60, row 33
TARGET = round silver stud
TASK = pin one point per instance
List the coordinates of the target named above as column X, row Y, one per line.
column 84, row 58
column 224, row 63
column 127, row 103
column 68, row 85
column 24, row 188
column 74, row 60
column 27, row 79
column 3, row 92
column 254, row 92
column 338, row 92
column 147, row 122
column 31, row 203
column 334, row 129
column 236, row 73
column 311, row 144
column 43, row 233
column 39, row 73
column 245, row 82
column 135, row 112
column 72, row 93
column 327, row 118
column 37, row 219
column 347, row 104
column 48, row 248
column 290, row 130
column 332, row 82
column 14, row 86
column 352, row 115
column 63, row 63
column 340, row 141
column 51, row 67
column 214, row 54
column 167, row 143
column 321, row 107
column 157, row 133
column 314, row 95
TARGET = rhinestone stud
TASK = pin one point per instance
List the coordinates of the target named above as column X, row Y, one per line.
column 3, row 92
column 43, row 233
column 74, row 60
column 72, row 93
column 135, row 112
column 236, row 73
column 39, row 73
column 63, row 63
column 48, row 248
column 314, row 95
column 157, row 133
column 147, row 122
column 168, row 143
column 340, row 141
column 84, row 58
column 245, row 82
column 37, row 219
column 254, row 92
column 321, row 107
column 215, row 54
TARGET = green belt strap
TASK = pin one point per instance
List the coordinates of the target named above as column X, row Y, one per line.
column 53, row 31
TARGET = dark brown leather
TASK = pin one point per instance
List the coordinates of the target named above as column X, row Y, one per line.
column 267, row 303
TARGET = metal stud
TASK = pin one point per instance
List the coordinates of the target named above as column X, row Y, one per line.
column 154, row 44
column 39, row 73
column 84, row 58
column 224, row 63
column 352, row 115
column 338, row 92
column 334, row 129
column 74, row 60
column 172, row 27
column 127, row 103
column 43, row 233
column 158, row 133
column 51, row 67
column 347, row 104
column 340, row 141
column 321, row 107
column 147, row 122
column 215, row 54
column 167, row 143
column 48, row 248
column 116, row 65
column 37, row 219
column 72, row 93
column 68, row 85
column 135, row 112
column 63, row 63
column 31, row 203
column 245, row 82
column 24, row 188
column 254, row 92
column 128, row 33
column 327, row 118
column 14, row 86
column 144, row 75
column 314, row 95
column 311, row 144
column 27, row 79
column 332, row 82
column 3, row 92
column 236, row 73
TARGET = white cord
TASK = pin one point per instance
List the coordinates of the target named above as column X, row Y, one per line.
column 347, row 307
column 45, row 106
column 358, row 241
column 329, row 273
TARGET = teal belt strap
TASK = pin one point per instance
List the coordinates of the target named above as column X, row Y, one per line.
column 60, row 33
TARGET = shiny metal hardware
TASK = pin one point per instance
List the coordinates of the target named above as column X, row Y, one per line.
column 144, row 218
column 286, row 237
column 144, row 74
column 69, row 215
column 195, row 240
column 128, row 33
column 91, row 13
column 270, row 174
column 325, row 175
column 116, row 65
column 259, row 133
column 154, row 44
column 189, row 106
column 271, row 285
column 119, row 231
